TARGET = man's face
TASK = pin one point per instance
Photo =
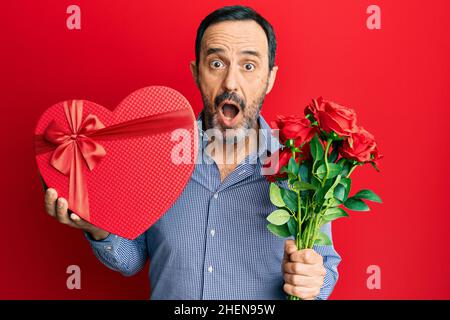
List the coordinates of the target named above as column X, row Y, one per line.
column 233, row 75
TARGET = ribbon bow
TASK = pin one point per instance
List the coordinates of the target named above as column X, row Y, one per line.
column 74, row 147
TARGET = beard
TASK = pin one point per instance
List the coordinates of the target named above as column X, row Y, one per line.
column 240, row 131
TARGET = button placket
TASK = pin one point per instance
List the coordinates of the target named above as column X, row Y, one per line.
column 211, row 244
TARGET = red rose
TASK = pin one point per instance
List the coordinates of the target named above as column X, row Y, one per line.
column 277, row 161
column 333, row 117
column 294, row 127
column 360, row 146
column 314, row 107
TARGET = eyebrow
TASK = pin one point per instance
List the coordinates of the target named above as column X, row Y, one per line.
column 220, row 50
column 214, row 50
column 252, row 53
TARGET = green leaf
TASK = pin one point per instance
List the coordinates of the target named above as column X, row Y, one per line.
column 293, row 166
column 279, row 231
column 316, row 148
column 334, row 213
column 356, row 205
column 321, row 191
column 345, row 166
column 334, row 202
column 339, row 192
column 290, row 199
column 304, row 172
column 375, row 166
column 279, row 217
column 292, row 177
column 330, row 193
column 322, row 240
column 292, row 226
column 315, row 182
column 275, row 195
column 347, row 183
column 335, row 169
column 300, row 186
column 367, row 194
column 334, row 154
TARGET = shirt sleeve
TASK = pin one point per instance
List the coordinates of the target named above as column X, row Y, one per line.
column 331, row 260
column 120, row 254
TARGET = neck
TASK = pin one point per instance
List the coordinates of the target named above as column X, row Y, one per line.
column 231, row 153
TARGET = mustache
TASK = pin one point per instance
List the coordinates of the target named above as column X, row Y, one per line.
column 230, row 96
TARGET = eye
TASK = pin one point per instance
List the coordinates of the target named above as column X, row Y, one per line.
column 216, row 64
column 249, row 66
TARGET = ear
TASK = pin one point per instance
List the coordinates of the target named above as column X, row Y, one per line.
column 194, row 71
column 272, row 77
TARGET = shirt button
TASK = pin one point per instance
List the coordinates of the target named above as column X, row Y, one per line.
column 216, row 195
column 108, row 248
column 210, row 269
column 213, row 232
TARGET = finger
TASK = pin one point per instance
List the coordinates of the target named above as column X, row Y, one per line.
column 289, row 246
column 285, row 255
column 78, row 222
column 309, row 270
column 303, row 281
column 61, row 211
column 50, row 201
column 301, row 292
column 308, row 256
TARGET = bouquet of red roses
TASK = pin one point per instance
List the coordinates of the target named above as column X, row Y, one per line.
column 320, row 151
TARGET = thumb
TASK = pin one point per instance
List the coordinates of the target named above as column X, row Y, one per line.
column 80, row 223
column 290, row 247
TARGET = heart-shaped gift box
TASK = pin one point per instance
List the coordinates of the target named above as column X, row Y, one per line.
column 120, row 170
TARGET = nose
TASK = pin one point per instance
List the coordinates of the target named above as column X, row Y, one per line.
column 230, row 82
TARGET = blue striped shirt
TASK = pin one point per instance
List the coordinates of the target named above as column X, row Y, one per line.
column 213, row 242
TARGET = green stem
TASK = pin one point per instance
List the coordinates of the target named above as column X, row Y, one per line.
column 351, row 170
column 308, row 232
column 316, row 224
column 298, row 239
column 316, row 231
column 299, row 221
column 312, row 232
column 327, row 148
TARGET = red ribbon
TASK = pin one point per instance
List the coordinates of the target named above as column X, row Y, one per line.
column 76, row 145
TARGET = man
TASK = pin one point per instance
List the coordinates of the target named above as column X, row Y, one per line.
column 213, row 242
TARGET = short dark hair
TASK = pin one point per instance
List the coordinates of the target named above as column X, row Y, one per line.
column 237, row 13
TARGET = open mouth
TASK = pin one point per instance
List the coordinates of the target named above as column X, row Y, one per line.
column 229, row 111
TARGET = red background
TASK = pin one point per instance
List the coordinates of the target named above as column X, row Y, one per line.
column 396, row 78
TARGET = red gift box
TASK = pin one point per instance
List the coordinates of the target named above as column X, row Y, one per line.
column 119, row 169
